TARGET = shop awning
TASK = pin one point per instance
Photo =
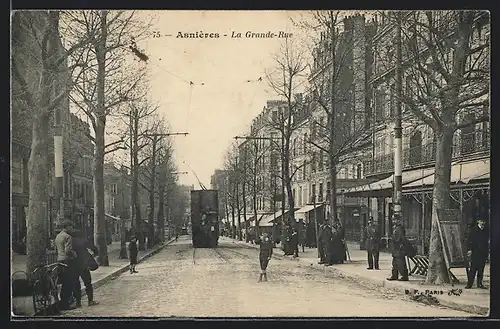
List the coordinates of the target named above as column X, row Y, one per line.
column 266, row 220
column 462, row 172
column 271, row 217
column 387, row 183
column 301, row 213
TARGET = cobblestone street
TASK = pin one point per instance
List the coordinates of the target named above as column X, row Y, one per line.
column 186, row 282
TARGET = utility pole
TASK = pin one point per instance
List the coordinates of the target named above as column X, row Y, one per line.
column 58, row 162
column 398, row 154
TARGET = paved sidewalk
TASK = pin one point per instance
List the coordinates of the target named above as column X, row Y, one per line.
column 24, row 305
column 472, row 301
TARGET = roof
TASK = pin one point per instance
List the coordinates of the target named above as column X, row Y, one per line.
column 462, row 172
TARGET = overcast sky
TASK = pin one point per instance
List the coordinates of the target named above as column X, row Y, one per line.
column 223, row 107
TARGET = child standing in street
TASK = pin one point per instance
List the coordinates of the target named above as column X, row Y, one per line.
column 132, row 254
column 266, row 251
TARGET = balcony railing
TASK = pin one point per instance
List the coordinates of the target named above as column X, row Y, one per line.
column 467, row 144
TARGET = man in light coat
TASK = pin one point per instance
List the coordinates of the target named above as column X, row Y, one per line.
column 67, row 256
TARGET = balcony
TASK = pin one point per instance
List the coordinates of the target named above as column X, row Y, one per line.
column 419, row 156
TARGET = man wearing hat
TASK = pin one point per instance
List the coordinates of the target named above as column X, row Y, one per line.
column 398, row 251
column 66, row 255
column 477, row 253
column 372, row 243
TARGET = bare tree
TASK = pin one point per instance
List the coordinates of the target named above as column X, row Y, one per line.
column 153, row 153
column 166, row 179
column 338, row 91
column 447, row 67
column 233, row 177
column 139, row 126
column 102, row 88
column 291, row 65
column 255, row 174
column 40, row 83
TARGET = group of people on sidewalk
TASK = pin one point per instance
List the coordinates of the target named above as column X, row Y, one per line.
column 477, row 246
column 333, row 249
column 73, row 251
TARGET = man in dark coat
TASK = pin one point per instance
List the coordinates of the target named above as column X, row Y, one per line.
column 81, row 246
column 265, row 254
column 398, row 253
column 326, row 240
column 294, row 241
column 372, row 243
column 321, row 250
column 477, row 253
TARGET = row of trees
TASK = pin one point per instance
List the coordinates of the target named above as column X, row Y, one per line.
column 85, row 57
column 447, row 72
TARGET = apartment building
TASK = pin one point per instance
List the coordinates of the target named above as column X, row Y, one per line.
column 351, row 120
column 471, row 144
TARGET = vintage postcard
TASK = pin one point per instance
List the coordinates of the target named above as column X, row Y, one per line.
column 250, row 163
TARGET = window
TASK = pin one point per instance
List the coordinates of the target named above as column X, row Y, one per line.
column 379, row 106
column 305, row 143
column 112, row 203
column 321, row 160
column 313, row 193
column 275, row 116
column 359, row 169
column 300, row 196
column 320, row 192
column 114, row 188
column 327, row 191
column 304, row 170
column 313, row 162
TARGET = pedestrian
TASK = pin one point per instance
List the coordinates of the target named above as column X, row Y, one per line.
column 338, row 248
column 294, row 241
column 477, row 252
column 326, row 241
column 398, row 252
column 265, row 254
column 85, row 263
column 176, row 236
column 372, row 244
column 66, row 255
column 321, row 250
column 132, row 254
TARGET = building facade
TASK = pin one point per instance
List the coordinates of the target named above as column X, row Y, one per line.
column 471, row 144
column 117, row 199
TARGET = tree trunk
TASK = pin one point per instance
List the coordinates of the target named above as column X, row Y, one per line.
column 245, row 210
column 254, row 200
column 438, row 272
column 123, row 239
column 333, row 188
column 238, row 209
column 152, row 198
column 288, row 186
column 135, row 180
column 160, row 219
column 99, row 217
column 36, row 224
column 233, row 233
